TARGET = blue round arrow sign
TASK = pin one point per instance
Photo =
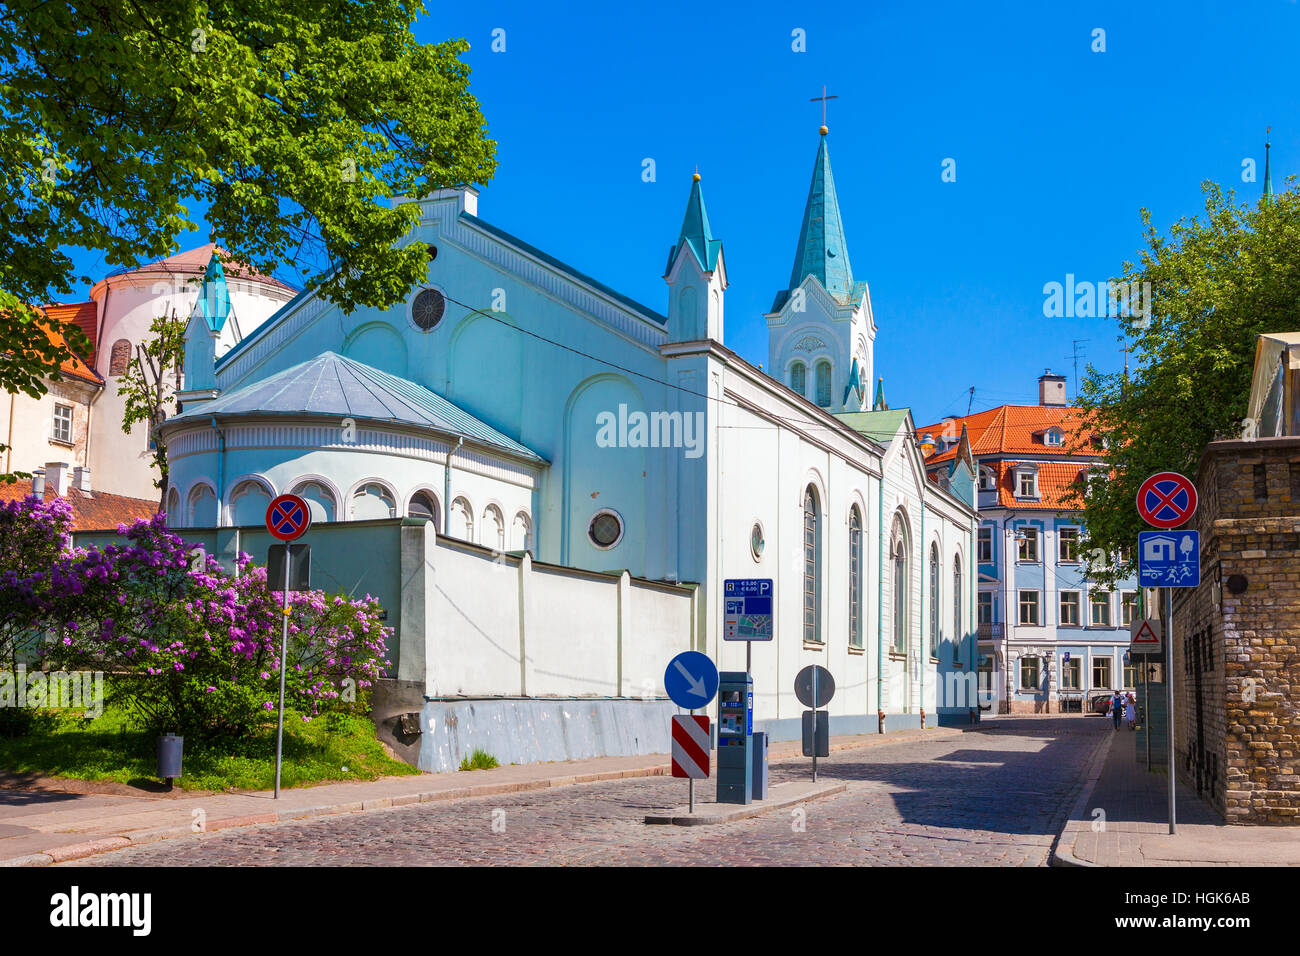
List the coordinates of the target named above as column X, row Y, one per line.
column 691, row 680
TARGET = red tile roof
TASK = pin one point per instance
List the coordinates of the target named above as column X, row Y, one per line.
column 91, row 511
column 1014, row 430
column 196, row 260
column 82, row 314
column 1011, row 433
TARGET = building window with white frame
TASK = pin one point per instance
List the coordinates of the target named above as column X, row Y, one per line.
column 855, row 577
column 1101, row 673
column 900, row 583
column 811, row 568
column 1027, row 539
column 798, row 378
column 984, row 545
column 1029, row 610
column 1026, row 483
column 984, row 607
column 986, row 479
column 824, row 384
column 1067, row 546
column 1128, row 601
column 957, row 616
column 1070, row 610
column 1099, row 608
column 934, row 600
column 1030, row 679
column 61, row 427
column 1072, row 674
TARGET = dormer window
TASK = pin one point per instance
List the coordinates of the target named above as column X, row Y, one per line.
column 1054, row 436
column 1026, row 482
column 986, row 479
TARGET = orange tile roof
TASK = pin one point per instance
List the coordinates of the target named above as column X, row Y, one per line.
column 81, row 314
column 91, row 511
column 1015, row 430
column 196, row 261
column 1054, row 481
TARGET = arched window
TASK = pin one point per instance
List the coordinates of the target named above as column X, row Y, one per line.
column 855, row 577
column 934, row 600
column 373, row 501
column 174, row 517
column 462, row 520
column 812, row 566
column 494, row 529
column 320, row 501
column 824, row 384
column 798, row 377
column 248, row 503
column 898, row 548
column 425, row 505
column 203, row 507
column 986, row 479
column 521, row 534
column 118, row 357
column 957, row 633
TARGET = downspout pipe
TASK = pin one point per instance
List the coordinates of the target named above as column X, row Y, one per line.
column 446, row 486
column 221, row 469
column 924, row 655
column 880, row 606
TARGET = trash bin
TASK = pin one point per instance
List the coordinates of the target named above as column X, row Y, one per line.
column 170, row 748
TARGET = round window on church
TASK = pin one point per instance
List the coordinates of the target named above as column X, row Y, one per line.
column 756, row 542
column 427, row 309
column 605, row 530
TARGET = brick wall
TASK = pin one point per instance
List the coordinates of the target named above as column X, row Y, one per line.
column 1237, row 656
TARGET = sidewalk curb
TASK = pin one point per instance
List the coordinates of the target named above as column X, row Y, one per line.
column 108, row 844
column 1060, row 855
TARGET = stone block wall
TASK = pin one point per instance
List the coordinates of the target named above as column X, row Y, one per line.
column 1237, row 653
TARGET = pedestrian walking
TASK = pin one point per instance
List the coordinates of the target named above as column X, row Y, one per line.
column 1130, row 713
column 1117, row 708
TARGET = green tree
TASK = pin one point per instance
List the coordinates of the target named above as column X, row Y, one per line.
column 292, row 125
column 149, row 386
column 1215, row 283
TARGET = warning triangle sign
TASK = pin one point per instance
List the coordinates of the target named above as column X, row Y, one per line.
column 1146, row 635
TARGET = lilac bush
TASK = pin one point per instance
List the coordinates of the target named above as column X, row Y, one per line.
column 193, row 649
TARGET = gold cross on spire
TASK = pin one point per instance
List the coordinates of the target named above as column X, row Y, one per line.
column 823, row 98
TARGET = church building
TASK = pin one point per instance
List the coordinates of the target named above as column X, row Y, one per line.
column 525, row 412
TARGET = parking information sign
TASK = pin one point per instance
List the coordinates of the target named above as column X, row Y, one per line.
column 1169, row 559
column 747, row 609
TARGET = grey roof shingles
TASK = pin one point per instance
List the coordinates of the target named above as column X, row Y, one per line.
column 334, row 386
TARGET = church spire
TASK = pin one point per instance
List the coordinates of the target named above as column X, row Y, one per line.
column 1268, row 173
column 696, row 233
column 822, row 251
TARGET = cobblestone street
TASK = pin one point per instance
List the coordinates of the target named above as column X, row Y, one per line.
column 997, row 796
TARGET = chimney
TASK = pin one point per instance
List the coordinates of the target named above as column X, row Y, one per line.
column 1051, row 389
column 57, row 474
column 38, row 482
column 81, row 478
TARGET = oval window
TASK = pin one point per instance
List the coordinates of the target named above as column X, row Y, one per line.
column 605, row 530
column 756, row 542
column 427, row 309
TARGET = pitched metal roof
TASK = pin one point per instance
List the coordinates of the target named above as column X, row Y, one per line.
column 696, row 234
column 334, row 386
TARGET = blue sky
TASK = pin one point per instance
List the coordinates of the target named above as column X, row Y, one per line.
column 1056, row 150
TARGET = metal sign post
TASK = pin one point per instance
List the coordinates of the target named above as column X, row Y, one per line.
column 1169, row 692
column 287, row 517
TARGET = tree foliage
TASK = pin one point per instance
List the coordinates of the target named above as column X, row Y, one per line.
column 149, row 385
column 292, row 125
column 1216, row 282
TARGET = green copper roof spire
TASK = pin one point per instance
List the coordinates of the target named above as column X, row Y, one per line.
column 696, row 232
column 1268, row 173
column 213, row 304
column 822, row 251
column 879, row 405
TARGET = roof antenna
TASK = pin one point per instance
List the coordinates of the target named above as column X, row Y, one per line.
column 971, row 400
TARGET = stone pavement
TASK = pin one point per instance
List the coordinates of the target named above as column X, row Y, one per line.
column 1122, row 819
column 995, row 796
column 39, row 827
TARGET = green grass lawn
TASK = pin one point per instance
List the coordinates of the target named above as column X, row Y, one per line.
column 65, row 744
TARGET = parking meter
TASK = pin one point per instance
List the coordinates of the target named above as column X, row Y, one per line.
column 735, row 737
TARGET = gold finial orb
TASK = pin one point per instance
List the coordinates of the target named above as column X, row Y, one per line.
column 825, row 131
column 695, row 177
